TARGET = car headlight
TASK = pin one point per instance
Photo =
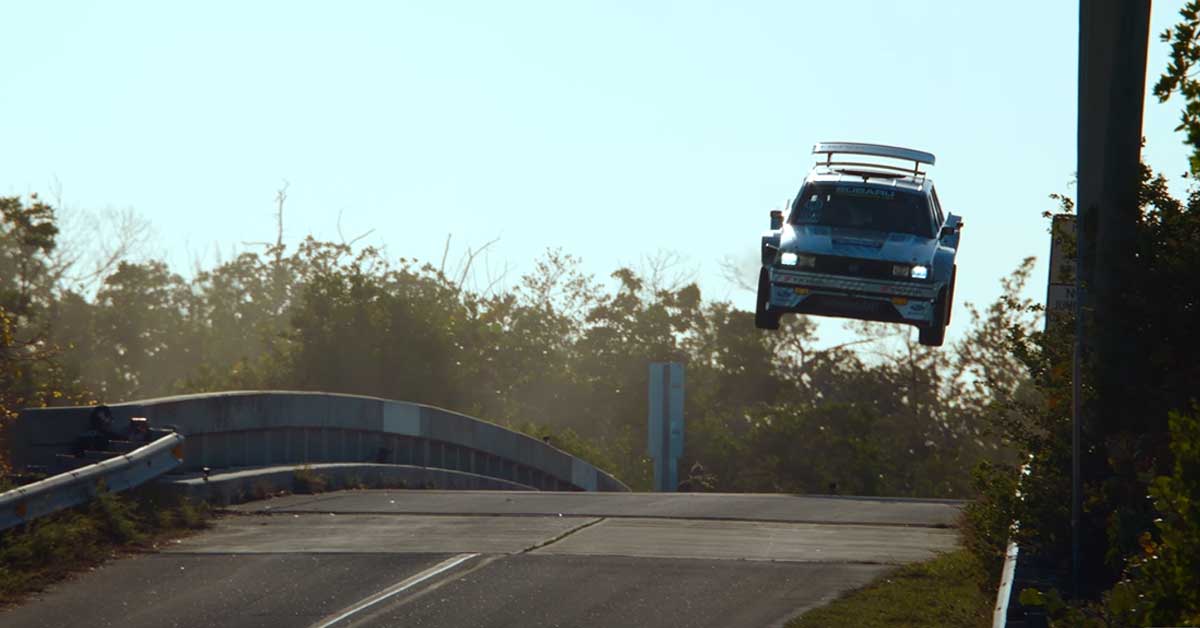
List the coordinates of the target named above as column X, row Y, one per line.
column 795, row 259
column 920, row 272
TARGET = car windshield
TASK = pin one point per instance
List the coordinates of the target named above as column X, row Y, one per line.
column 863, row 207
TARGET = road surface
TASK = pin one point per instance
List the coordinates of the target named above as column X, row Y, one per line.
column 442, row 559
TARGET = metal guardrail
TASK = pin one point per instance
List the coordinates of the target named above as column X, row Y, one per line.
column 1000, row 614
column 26, row 503
column 1008, row 572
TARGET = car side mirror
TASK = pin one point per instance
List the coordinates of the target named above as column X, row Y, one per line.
column 776, row 219
column 952, row 229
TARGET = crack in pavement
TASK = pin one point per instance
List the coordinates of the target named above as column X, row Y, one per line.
column 553, row 540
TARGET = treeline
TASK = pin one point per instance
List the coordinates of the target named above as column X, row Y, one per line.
column 558, row 354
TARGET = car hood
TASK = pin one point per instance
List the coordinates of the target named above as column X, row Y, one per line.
column 858, row 243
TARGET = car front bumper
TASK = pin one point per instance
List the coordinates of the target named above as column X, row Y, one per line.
column 852, row 297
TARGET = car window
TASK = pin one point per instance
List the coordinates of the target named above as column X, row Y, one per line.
column 937, row 207
column 860, row 206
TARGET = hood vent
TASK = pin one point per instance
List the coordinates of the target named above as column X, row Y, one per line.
column 872, row 243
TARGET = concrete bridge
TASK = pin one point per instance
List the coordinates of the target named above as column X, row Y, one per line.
column 231, row 430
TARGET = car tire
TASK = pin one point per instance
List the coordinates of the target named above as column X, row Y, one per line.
column 950, row 298
column 934, row 334
column 764, row 318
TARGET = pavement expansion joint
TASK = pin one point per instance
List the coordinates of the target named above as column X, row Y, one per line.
column 708, row 560
column 290, row 510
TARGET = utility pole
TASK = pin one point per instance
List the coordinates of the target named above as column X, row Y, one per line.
column 1113, row 37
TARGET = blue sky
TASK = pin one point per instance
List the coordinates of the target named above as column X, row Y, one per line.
column 612, row 129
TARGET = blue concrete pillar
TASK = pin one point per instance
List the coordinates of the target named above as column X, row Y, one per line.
column 665, row 433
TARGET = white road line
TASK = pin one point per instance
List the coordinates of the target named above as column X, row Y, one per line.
column 400, row 587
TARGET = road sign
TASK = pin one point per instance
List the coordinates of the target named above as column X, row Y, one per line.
column 1060, row 298
column 665, row 431
column 1060, row 289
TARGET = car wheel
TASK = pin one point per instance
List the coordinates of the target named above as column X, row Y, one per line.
column 764, row 318
column 950, row 298
column 934, row 334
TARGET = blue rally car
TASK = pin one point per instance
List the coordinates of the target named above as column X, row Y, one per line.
column 866, row 238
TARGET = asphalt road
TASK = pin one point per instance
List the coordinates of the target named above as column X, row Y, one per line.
column 442, row 559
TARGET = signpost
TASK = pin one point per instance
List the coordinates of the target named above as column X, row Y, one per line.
column 665, row 433
column 1060, row 289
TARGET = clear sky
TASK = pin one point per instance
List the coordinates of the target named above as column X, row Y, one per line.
column 612, row 129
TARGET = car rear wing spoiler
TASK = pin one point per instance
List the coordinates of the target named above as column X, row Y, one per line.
column 829, row 149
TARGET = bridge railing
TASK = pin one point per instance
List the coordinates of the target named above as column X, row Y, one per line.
column 271, row 428
column 26, row 503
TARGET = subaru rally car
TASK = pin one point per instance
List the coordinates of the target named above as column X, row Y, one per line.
column 865, row 240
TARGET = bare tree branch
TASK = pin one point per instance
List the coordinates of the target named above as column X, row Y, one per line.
column 445, row 252
column 94, row 243
column 736, row 273
column 493, row 281
column 659, row 270
column 465, row 264
column 277, row 247
column 342, row 237
column 280, row 198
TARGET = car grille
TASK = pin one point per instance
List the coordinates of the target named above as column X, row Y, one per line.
column 855, row 267
column 855, row 285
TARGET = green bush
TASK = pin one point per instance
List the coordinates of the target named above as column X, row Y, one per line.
column 1162, row 583
column 987, row 521
column 48, row 549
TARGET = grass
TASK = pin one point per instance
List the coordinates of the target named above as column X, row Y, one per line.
column 59, row 545
column 950, row 590
column 306, row 481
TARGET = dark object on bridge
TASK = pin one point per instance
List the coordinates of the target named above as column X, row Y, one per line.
column 546, row 439
column 103, row 439
column 101, row 420
column 698, row 480
column 100, row 431
column 139, row 430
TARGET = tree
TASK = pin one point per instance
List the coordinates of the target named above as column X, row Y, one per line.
column 30, row 376
column 1184, row 38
